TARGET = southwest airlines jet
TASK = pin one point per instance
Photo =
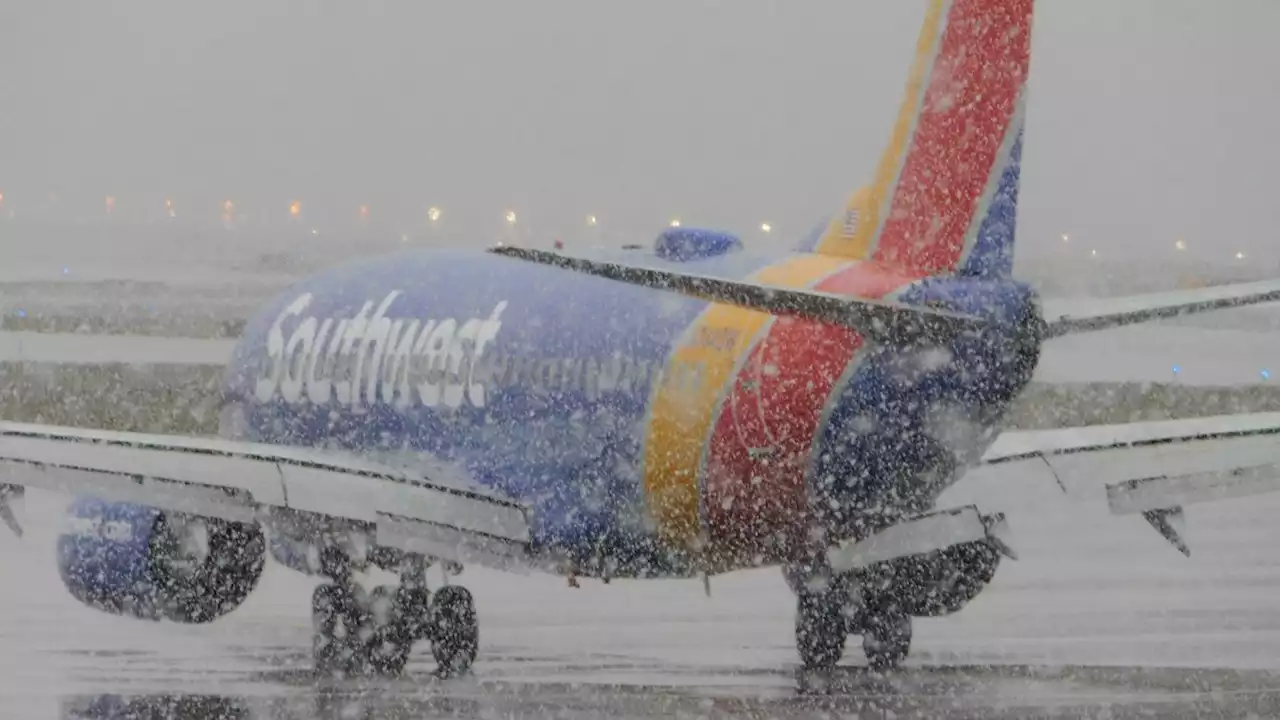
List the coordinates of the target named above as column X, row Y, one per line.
column 674, row 411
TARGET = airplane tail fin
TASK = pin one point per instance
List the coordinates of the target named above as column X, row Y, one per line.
column 945, row 194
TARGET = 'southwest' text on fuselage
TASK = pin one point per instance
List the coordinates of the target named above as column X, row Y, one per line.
column 438, row 363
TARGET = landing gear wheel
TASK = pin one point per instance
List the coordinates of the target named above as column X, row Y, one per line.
column 886, row 640
column 455, row 630
column 355, row 632
column 821, row 630
column 413, row 606
column 389, row 642
column 336, row 621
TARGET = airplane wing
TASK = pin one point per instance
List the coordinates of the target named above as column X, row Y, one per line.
column 1155, row 468
column 437, row 512
column 885, row 322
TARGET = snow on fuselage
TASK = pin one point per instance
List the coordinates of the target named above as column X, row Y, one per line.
column 637, row 423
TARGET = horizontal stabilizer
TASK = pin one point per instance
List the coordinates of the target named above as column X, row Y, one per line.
column 1071, row 316
column 450, row 517
column 879, row 321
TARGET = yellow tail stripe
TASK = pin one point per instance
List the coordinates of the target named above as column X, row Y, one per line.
column 682, row 410
column 868, row 202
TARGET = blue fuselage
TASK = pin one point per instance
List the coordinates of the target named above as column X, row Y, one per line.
column 540, row 383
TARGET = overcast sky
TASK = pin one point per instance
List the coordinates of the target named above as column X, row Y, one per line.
column 1149, row 119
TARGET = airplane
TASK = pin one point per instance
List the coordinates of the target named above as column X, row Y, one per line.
column 670, row 412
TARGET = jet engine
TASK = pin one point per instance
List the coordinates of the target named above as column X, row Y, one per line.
column 134, row 560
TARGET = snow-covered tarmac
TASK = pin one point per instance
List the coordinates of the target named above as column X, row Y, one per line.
column 1098, row 617
column 1189, row 355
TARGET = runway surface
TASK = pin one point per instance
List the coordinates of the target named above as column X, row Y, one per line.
column 1099, row 618
column 1187, row 355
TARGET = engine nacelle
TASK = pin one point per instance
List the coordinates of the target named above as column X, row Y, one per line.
column 937, row 583
column 129, row 559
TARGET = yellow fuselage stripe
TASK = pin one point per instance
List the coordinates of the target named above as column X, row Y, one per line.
column 870, row 201
column 683, row 407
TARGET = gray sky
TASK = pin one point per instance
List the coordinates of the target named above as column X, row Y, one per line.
column 1149, row 119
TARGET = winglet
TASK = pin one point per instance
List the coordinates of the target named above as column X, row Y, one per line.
column 1171, row 523
column 6, row 510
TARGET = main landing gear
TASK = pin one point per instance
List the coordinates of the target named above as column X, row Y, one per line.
column 929, row 565
column 359, row 632
column 829, row 611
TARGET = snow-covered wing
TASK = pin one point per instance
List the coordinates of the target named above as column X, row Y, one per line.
column 1075, row 315
column 440, row 513
column 882, row 321
column 1155, row 468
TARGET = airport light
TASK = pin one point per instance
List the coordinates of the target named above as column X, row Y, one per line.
column 1066, row 238
column 364, row 211
column 511, row 217
column 168, row 206
column 1180, row 245
column 295, row 208
column 1239, row 256
column 228, row 206
column 591, row 221
column 766, row 227
column 433, row 214
column 1093, row 253
column 675, row 222
column 111, row 204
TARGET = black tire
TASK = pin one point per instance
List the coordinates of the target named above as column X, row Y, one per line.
column 414, row 606
column 821, row 630
column 221, row 582
column 455, row 631
column 886, row 640
column 389, row 642
column 336, row 620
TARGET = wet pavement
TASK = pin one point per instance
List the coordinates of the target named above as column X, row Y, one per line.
column 1099, row 618
column 951, row 692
